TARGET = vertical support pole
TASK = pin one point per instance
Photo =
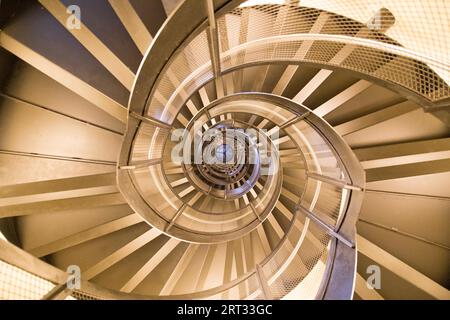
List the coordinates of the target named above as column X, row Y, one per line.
column 176, row 216
column 263, row 283
column 213, row 41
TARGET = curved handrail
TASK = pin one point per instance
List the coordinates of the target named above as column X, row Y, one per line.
column 160, row 54
column 148, row 80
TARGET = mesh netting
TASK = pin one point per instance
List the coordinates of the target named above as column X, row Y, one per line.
column 17, row 284
column 265, row 33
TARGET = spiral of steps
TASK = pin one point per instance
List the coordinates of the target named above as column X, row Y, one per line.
column 235, row 150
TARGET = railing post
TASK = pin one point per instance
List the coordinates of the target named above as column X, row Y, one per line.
column 59, row 292
column 214, row 48
column 263, row 283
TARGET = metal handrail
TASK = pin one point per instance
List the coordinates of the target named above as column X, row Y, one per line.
column 148, row 84
column 160, row 54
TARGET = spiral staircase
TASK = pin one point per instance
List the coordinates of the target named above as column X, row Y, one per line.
column 350, row 166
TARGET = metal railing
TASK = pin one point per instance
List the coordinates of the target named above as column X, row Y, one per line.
column 163, row 88
column 301, row 266
column 316, row 257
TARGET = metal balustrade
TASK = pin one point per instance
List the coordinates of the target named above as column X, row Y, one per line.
column 315, row 258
